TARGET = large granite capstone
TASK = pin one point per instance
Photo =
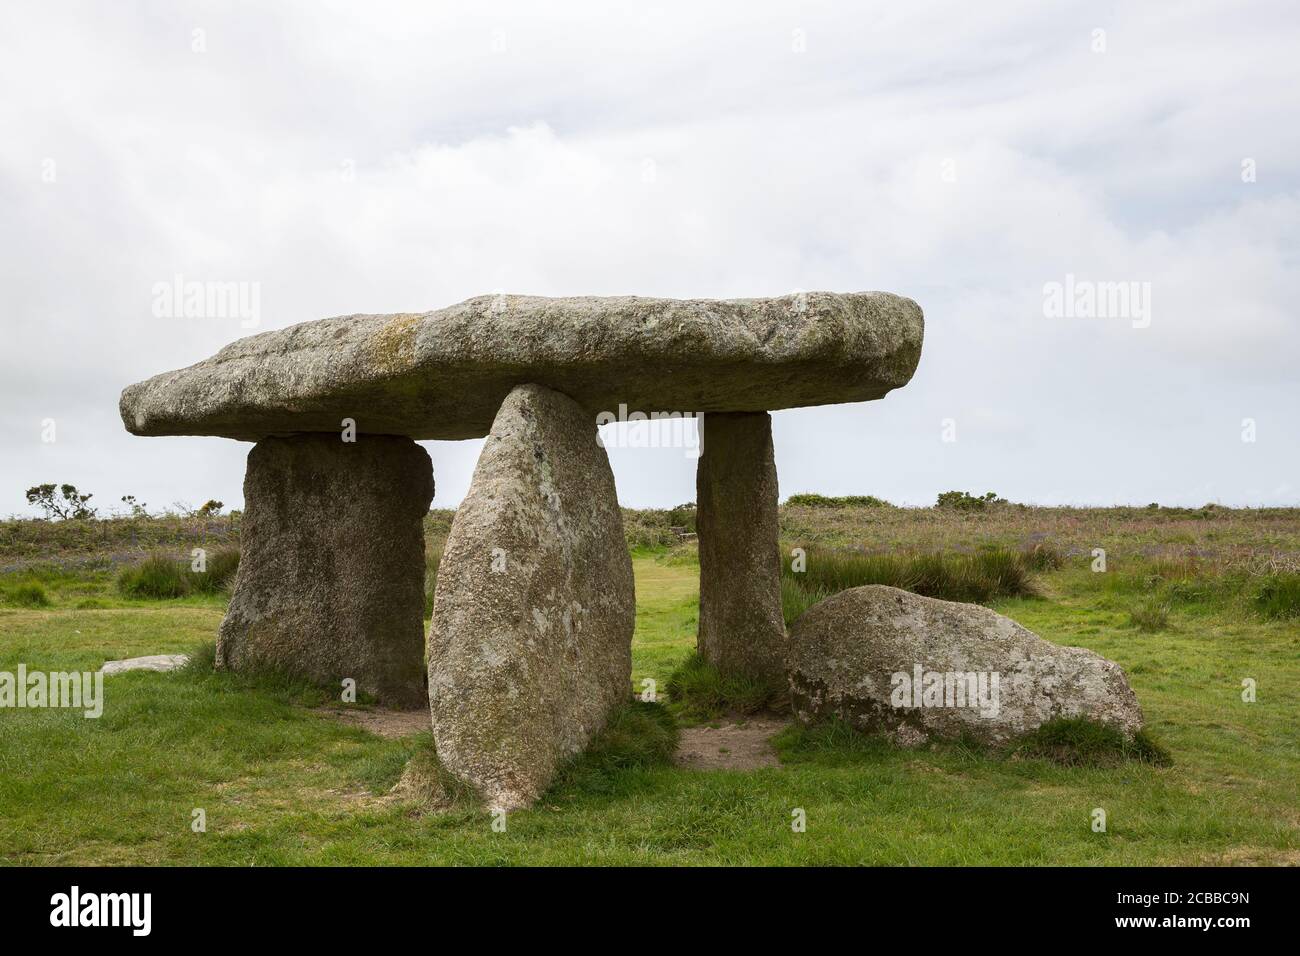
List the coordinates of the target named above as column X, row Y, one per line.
column 444, row 374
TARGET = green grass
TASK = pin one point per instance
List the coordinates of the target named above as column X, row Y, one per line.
column 699, row 692
column 640, row 736
column 667, row 608
column 283, row 783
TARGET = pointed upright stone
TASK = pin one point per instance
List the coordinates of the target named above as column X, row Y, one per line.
column 530, row 647
column 741, row 628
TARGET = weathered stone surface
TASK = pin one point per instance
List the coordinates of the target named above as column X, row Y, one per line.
column 331, row 572
column 152, row 662
column 530, row 647
column 741, row 629
column 443, row 374
column 845, row 651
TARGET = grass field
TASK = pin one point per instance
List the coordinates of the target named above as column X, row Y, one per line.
column 280, row 782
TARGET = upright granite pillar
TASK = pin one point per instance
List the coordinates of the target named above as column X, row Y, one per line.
column 530, row 648
column 331, row 573
column 741, row 629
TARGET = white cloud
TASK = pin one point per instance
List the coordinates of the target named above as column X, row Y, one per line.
column 390, row 157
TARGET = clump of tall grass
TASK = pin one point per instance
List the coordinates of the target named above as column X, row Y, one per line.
column 1079, row 742
column 686, row 554
column 1042, row 556
column 1150, row 615
column 157, row 576
column 1277, row 597
column 637, row 735
column 974, row 578
column 704, row 693
column 425, row 781
column 26, row 594
column 218, row 575
column 160, row 577
column 795, row 598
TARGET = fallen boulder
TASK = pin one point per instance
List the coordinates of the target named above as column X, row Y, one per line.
column 916, row 669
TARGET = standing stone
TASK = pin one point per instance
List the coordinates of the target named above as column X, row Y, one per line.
column 741, row 629
column 331, row 574
column 530, row 647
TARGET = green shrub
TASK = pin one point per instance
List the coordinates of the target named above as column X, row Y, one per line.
column 157, row 576
column 650, row 528
column 704, row 693
column 682, row 516
column 964, row 501
column 27, row 594
column 1077, row 741
column 809, row 500
column 68, row 505
column 1277, row 597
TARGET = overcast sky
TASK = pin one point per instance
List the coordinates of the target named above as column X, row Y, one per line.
column 380, row 157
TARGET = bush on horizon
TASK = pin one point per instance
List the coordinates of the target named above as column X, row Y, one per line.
column 812, row 500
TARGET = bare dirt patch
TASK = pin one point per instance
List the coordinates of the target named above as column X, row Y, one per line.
column 741, row 745
column 379, row 720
